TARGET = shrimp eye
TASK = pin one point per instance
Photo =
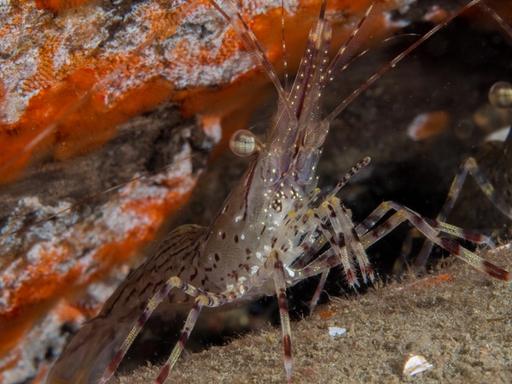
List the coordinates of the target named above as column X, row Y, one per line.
column 244, row 143
column 500, row 95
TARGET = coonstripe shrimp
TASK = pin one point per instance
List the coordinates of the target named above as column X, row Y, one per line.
column 272, row 230
column 490, row 166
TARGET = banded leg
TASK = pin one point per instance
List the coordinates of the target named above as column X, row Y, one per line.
column 438, row 226
column 337, row 243
column 180, row 345
column 326, row 259
column 305, row 259
column 329, row 259
column 348, row 267
column 230, row 12
column 432, row 233
column 363, row 163
column 469, row 166
column 280, row 286
column 343, row 234
column 318, row 290
column 338, row 235
column 345, row 241
column 340, row 219
column 206, row 299
column 152, row 304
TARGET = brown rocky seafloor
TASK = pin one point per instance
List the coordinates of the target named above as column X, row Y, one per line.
column 459, row 320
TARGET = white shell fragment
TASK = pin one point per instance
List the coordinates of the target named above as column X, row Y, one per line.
column 499, row 135
column 337, row 331
column 416, row 364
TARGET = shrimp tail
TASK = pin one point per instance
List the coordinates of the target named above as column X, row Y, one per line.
column 86, row 357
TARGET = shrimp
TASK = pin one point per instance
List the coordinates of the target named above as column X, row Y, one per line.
column 490, row 166
column 271, row 231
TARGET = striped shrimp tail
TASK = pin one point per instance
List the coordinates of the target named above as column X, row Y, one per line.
column 87, row 355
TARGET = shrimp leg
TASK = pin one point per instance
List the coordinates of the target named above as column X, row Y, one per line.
column 345, row 227
column 280, row 287
column 345, row 241
column 431, row 229
column 209, row 299
column 204, row 299
column 320, row 287
column 180, row 345
column 173, row 282
column 338, row 255
column 470, row 166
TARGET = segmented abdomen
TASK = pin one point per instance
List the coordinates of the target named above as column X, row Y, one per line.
column 93, row 347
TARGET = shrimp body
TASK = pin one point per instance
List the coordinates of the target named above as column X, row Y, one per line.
column 271, row 232
column 231, row 255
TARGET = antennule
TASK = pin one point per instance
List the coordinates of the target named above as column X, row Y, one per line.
column 363, row 163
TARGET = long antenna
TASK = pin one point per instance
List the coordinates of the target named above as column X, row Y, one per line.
column 393, row 63
column 253, row 45
column 502, row 23
column 339, row 55
column 283, row 48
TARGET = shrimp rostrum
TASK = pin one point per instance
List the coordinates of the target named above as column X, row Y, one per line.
column 274, row 229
